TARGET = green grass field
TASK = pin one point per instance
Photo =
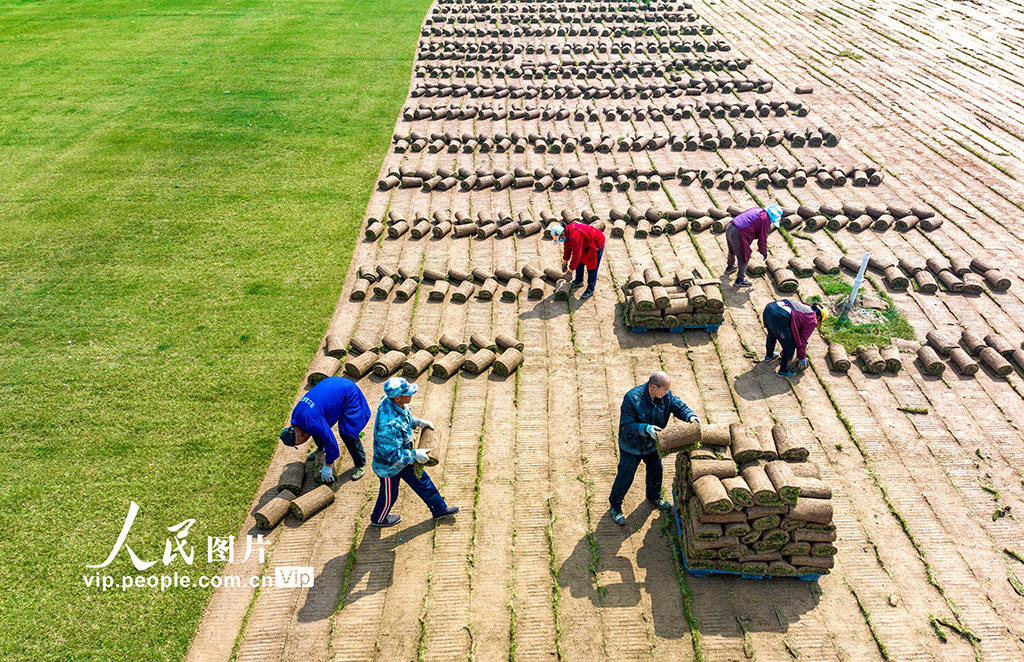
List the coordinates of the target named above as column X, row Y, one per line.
column 181, row 185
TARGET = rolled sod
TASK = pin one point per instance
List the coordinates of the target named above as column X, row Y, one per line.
column 895, row 278
column 406, row 290
column 479, row 361
column 322, row 367
column 813, row 488
column 930, row 361
column 307, row 505
column 660, row 296
column 751, row 537
column 738, row 491
column 712, row 495
column 714, row 300
column 432, row 274
column 995, row 361
column 781, row 569
column 763, row 524
column 487, row 290
column 1000, row 344
column 755, row 266
column 536, row 289
column 359, row 289
column 335, row 346
column 395, row 343
column 776, row 537
column 731, row 517
column 457, row 275
column 415, row 365
column 754, row 568
column 421, row 341
column 715, row 434
column 452, row 344
column 275, row 510
column 439, row 291
column 374, row 231
column 810, row 561
column 745, row 446
column 891, row 355
column 357, row 366
column 530, row 271
column 643, row 298
column 703, row 530
column 505, row 341
column 480, row 341
column 796, row 548
column 823, row 549
column 562, row 290
column 871, row 358
column 926, row 282
column 723, row 469
column 512, row 290
column 464, row 291
column 784, row 480
column 505, row 274
column 838, row 359
column 382, row 288
column 784, row 280
column 963, row 362
column 997, row 280
column 507, row 362
column 818, row 511
column 366, row 272
column 291, row 478
column 760, row 485
column 790, row 524
column 449, row 365
column 389, row 363
column 801, row 267
column 807, row 535
column 805, row 469
column 442, row 229
column 950, row 281
column 737, row 529
column 678, row 437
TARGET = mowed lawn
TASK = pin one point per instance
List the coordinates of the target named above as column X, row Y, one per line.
column 181, row 186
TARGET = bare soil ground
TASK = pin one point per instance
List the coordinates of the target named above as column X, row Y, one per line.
column 533, row 567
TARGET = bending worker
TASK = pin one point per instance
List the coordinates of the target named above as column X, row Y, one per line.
column 644, row 413
column 333, row 400
column 791, row 324
column 394, row 457
column 584, row 246
column 740, row 234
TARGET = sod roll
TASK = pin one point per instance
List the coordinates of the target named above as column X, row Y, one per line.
column 806, row 560
column 643, row 298
column 439, row 291
column 942, row 342
column 357, row 366
column 818, row 511
column 487, row 290
column 963, row 362
column 739, row 492
column 997, row 280
column 838, row 359
column 801, row 267
column 359, row 289
column 714, row 300
column 406, row 290
column 480, row 341
column 784, row 280
column 926, row 282
column 732, row 516
column 814, row 488
column 505, row 341
column 307, row 505
column 1000, row 344
column 291, row 478
column 784, row 481
column 871, row 358
column 322, row 367
column 712, row 495
column 389, row 363
column 808, row 535
column 335, row 346
column 721, row 468
column 767, row 442
column 677, row 437
column 995, row 361
column 507, row 362
column 394, row 343
column 562, row 290
column 704, row 530
column 452, row 344
column 895, row 278
column 382, row 288
column 275, row 510
column 479, row 361
column 421, row 341
column 715, row 434
column 449, row 365
column 512, row 290
column 761, row 486
column 414, row 366
column 536, row 288
column 464, row 291
column 745, row 446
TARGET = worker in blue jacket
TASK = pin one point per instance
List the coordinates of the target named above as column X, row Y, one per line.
column 335, row 400
column 395, row 459
column 645, row 412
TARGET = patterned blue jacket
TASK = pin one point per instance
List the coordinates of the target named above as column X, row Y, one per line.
column 392, row 438
column 639, row 410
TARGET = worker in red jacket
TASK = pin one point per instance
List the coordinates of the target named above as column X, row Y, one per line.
column 584, row 246
column 791, row 323
column 755, row 223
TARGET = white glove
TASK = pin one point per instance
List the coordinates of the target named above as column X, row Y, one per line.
column 327, row 474
column 652, row 431
column 421, row 455
column 694, row 419
column 424, row 423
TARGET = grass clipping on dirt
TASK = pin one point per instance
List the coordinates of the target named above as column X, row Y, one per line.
column 864, row 326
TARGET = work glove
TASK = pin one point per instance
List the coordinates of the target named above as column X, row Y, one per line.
column 652, row 431
column 565, row 265
column 693, row 419
column 421, row 455
column 424, row 423
column 327, row 474
column 801, row 364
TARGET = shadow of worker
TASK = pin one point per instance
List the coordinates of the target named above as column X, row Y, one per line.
column 595, row 561
column 371, row 573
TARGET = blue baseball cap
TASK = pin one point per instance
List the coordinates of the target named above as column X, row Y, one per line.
column 288, row 436
column 774, row 214
column 396, row 387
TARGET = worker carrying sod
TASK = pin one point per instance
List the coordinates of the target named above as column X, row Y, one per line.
column 395, row 458
column 584, row 246
column 755, row 223
column 334, row 400
column 790, row 323
column 644, row 413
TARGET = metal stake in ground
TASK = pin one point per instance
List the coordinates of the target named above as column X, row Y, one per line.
column 844, row 307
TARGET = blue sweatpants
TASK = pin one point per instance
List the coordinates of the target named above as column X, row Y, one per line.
column 422, row 486
column 591, row 273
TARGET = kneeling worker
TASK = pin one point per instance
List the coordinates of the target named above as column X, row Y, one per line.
column 790, row 323
column 395, row 458
column 644, row 413
column 333, row 400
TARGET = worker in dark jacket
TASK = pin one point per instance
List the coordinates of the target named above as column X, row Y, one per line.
column 740, row 234
column 334, row 400
column 584, row 246
column 790, row 323
column 644, row 413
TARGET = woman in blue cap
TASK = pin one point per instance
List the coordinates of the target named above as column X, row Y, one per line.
column 395, row 458
column 755, row 223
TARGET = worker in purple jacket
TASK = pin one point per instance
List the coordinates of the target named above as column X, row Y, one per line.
column 790, row 323
column 740, row 235
column 335, row 400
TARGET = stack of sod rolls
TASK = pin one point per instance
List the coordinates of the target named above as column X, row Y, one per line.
column 754, row 505
column 686, row 298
